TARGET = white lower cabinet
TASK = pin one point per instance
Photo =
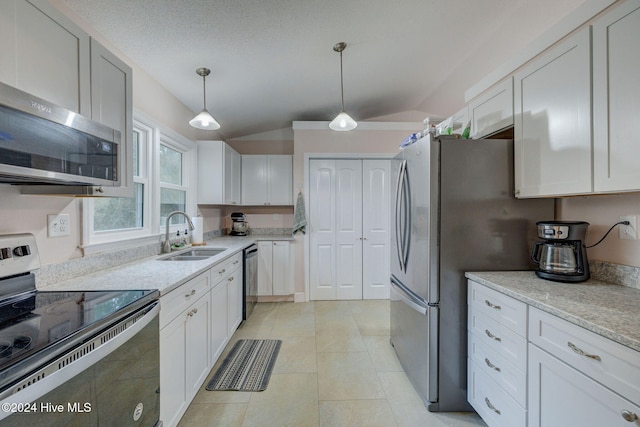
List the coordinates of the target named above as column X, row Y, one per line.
column 497, row 357
column 570, row 375
column 275, row 275
column 219, row 331
column 562, row 396
column 197, row 320
column 184, row 346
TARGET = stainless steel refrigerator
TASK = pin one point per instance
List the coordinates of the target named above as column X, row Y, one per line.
column 454, row 211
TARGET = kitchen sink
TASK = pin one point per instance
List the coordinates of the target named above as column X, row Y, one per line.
column 194, row 254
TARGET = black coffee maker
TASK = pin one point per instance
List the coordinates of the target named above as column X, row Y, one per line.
column 561, row 256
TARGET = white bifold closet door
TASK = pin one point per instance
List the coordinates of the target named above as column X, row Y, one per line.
column 349, row 229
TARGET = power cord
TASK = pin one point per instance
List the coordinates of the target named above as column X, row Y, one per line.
column 607, row 233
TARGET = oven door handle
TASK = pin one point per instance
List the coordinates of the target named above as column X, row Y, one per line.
column 52, row 380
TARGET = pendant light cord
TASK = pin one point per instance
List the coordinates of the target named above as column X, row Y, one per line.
column 607, row 233
column 204, row 91
column 341, row 84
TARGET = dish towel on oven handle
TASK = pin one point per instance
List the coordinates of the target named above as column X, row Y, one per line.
column 299, row 216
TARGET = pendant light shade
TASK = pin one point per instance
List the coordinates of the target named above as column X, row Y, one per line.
column 204, row 120
column 343, row 121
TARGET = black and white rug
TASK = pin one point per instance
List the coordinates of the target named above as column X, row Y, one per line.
column 247, row 367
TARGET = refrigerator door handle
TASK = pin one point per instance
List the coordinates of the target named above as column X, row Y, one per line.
column 408, row 299
column 407, row 213
column 399, row 196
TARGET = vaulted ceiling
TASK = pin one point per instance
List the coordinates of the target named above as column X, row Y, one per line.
column 273, row 62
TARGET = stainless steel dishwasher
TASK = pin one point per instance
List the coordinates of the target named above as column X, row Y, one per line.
column 250, row 291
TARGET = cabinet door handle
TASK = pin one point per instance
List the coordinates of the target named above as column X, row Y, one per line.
column 491, row 365
column 629, row 416
column 581, row 352
column 490, row 335
column 492, row 305
column 222, row 271
column 230, row 279
column 490, row 405
column 193, row 292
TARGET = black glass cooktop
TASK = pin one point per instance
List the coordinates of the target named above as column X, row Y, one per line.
column 33, row 321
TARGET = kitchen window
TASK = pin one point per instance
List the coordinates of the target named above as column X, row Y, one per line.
column 163, row 177
column 176, row 159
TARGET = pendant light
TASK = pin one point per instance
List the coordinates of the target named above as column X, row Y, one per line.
column 204, row 120
column 343, row 121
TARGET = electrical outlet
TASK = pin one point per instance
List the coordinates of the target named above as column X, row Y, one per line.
column 58, row 225
column 629, row 232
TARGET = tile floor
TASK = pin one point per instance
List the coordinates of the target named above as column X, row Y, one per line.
column 335, row 368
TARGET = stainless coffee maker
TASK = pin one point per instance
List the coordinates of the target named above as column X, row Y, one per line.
column 561, row 255
column 239, row 224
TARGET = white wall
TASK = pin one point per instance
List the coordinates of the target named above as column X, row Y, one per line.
column 601, row 212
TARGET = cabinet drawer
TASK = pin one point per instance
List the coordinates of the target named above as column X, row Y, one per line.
column 500, row 307
column 491, row 402
column 176, row 301
column 500, row 339
column 496, row 367
column 222, row 270
column 610, row 363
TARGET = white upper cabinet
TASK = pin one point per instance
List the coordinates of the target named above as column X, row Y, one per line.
column 44, row 54
column 267, row 179
column 218, row 174
column 112, row 105
column 553, row 121
column 492, row 111
column 616, row 99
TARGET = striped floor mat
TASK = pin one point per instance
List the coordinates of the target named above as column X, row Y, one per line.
column 247, row 367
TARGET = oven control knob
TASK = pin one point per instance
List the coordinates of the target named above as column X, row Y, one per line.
column 22, row 250
column 5, row 253
column 137, row 413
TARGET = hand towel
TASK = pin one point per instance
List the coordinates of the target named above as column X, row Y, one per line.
column 299, row 216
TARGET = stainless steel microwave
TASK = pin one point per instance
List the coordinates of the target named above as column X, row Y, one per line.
column 44, row 143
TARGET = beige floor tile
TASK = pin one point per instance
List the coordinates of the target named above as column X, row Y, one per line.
column 410, row 410
column 289, row 400
column 382, row 354
column 296, row 308
column 335, row 368
column 372, row 317
column 294, row 325
column 329, row 341
column 297, row 355
column 347, row 376
column 214, row 415
column 365, row 413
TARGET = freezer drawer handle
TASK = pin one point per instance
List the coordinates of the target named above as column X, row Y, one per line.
column 490, row 335
column 491, row 365
column 492, row 305
column 493, row 408
column 629, row 416
column 581, row 352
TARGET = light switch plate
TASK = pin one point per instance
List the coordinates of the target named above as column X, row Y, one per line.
column 58, row 225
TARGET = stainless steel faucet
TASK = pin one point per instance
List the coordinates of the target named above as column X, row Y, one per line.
column 166, row 245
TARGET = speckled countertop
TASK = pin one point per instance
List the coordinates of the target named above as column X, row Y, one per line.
column 151, row 273
column 612, row 311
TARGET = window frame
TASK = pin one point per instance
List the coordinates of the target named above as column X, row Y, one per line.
column 151, row 135
column 187, row 147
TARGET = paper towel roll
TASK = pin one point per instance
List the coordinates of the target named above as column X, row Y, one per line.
column 197, row 233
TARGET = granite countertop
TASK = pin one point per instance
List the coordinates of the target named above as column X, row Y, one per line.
column 612, row 311
column 150, row 273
